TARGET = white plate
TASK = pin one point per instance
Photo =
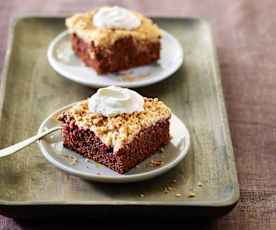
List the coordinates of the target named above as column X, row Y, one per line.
column 62, row 58
column 73, row 163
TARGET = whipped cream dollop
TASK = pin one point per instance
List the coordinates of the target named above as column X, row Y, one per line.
column 116, row 17
column 113, row 100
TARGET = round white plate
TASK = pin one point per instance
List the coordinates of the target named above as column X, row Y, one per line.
column 73, row 163
column 62, row 58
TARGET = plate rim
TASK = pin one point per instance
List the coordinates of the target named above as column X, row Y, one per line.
column 114, row 179
column 55, row 66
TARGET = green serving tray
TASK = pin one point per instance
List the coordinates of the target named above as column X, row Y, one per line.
column 31, row 90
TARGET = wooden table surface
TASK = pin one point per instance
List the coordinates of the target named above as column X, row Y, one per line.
column 245, row 35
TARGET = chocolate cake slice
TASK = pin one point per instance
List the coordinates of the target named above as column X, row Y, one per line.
column 110, row 49
column 119, row 142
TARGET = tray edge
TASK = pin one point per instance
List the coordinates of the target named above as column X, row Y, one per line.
column 229, row 201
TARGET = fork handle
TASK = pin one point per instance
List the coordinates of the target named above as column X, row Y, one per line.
column 16, row 147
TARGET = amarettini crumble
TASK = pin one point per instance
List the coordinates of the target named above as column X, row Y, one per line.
column 125, row 129
column 111, row 39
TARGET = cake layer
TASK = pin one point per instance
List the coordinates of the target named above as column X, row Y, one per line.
column 125, row 53
column 146, row 142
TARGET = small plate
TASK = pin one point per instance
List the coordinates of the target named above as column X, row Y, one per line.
column 62, row 58
column 73, row 163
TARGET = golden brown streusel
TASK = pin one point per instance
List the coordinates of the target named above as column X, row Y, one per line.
column 82, row 25
column 191, row 194
column 156, row 163
column 178, row 194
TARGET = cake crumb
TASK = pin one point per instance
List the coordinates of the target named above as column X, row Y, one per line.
column 178, row 194
column 191, row 194
column 167, row 189
column 127, row 77
column 97, row 165
column 141, row 77
column 72, row 160
column 156, row 163
column 199, row 184
column 162, row 149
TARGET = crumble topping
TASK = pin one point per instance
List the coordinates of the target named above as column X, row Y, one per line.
column 156, row 163
column 117, row 130
column 82, row 25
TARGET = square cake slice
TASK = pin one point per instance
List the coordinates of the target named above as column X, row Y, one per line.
column 110, row 39
column 119, row 142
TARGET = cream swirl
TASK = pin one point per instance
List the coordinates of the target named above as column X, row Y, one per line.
column 116, row 17
column 112, row 100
